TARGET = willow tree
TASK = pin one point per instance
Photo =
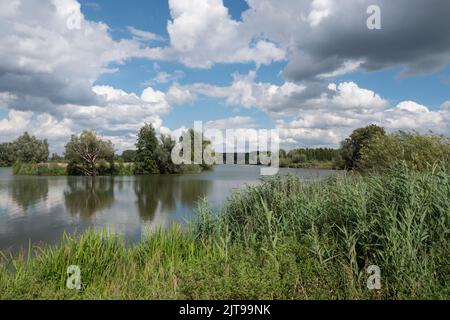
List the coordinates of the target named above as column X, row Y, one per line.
column 89, row 155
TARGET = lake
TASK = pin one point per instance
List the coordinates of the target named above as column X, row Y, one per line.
column 40, row 209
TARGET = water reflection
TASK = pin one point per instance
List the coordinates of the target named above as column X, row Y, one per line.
column 87, row 195
column 40, row 209
column 164, row 193
column 26, row 192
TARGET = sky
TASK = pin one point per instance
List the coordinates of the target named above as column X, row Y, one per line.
column 310, row 68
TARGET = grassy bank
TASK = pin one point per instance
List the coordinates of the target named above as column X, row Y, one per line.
column 40, row 169
column 322, row 165
column 61, row 169
column 284, row 239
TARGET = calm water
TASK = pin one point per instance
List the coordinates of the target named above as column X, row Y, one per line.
column 39, row 209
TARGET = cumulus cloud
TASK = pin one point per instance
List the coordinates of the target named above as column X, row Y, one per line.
column 328, row 126
column 43, row 126
column 238, row 122
column 245, row 91
column 50, row 54
column 203, row 33
column 118, row 118
column 326, row 118
column 178, row 94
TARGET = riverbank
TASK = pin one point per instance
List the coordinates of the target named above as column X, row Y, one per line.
column 284, row 239
column 121, row 169
column 322, row 165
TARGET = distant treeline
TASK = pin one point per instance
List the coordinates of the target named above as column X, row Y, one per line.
column 366, row 149
column 325, row 158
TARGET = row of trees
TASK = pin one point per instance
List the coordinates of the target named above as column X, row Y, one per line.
column 306, row 157
column 24, row 149
column 373, row 149
column 90, row 155
column 368, row 148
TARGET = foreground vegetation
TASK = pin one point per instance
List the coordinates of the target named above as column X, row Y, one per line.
column 284, row 239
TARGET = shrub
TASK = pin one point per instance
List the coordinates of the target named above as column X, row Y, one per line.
column 418, row 152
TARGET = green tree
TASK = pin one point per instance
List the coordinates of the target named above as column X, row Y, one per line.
column 351, row 147
column 164, row 152
column 7, row 156
column 89, row 155
column 56, row 157
column 147, row 151
column 418, row 152
column 129, row 156
column 206, row 143
column 28, row 149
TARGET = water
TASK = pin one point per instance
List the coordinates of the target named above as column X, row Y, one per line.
column 39, row 209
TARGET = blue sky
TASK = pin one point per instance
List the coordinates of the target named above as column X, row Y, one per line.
column 310, row 68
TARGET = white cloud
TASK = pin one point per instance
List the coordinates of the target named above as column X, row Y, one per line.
column 43, row 126
column 142, row 35
column 320, row 10
column 203, row 33
column 165, row 77
column 328, row 126
column 244, row 91
column 180, row 95
column 238, row 122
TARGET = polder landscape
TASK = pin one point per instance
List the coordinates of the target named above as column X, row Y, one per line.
column 96, row 97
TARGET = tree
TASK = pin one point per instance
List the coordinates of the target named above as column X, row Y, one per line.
column 7, row 156
column 89, row 155
column 351, row 147
column 129, row 156
column 206, row 143
column 416, row 151
column 146, row 153
column 56, row 157
column 30, row 149
column 163, row 154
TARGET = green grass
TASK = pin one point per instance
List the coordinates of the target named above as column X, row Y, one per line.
column 284, row 239
column 40, row 169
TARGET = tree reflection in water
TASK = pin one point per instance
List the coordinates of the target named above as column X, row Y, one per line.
column 27, row 192
column 87, row 195
column 163, row 192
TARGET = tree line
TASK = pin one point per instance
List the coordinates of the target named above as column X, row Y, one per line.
column 90, row 155
column 368, row 148
column 371, row 148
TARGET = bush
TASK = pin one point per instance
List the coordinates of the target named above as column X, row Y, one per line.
column 40, row 169
column 123, row 169
column 418, row 152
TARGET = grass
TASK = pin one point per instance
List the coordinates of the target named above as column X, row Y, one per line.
column 284, row 239
column 40, row 169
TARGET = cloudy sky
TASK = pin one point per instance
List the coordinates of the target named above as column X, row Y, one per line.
column 310, row 68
